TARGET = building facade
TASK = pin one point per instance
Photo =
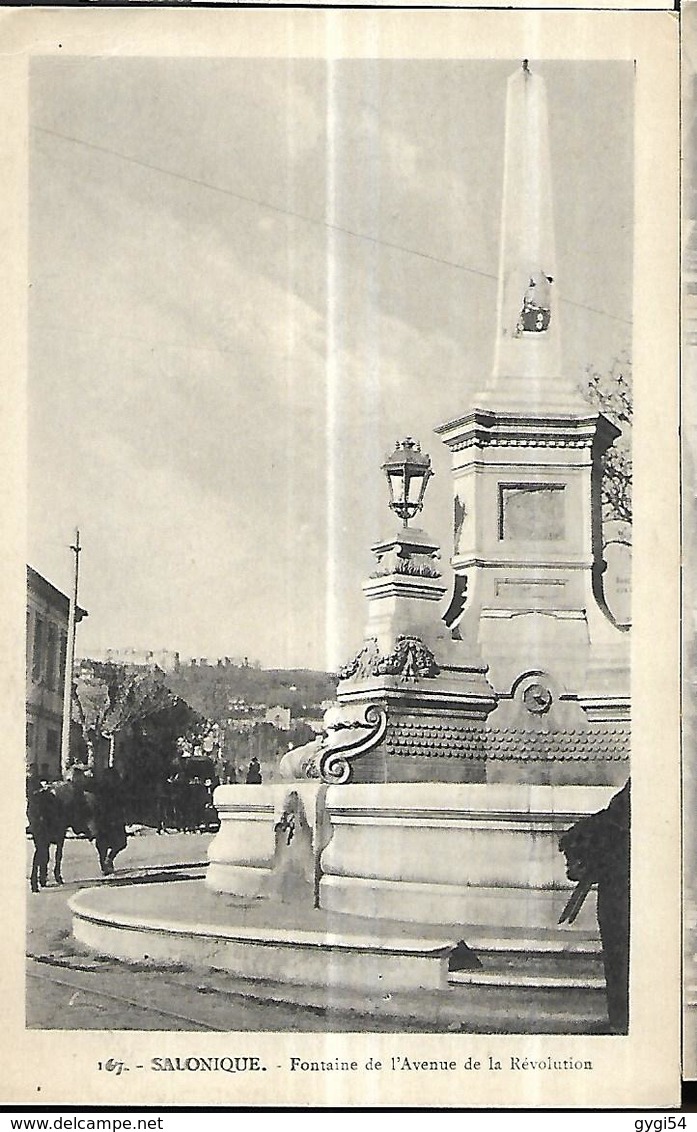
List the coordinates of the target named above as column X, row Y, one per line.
column 46, row 649
column 279, row 717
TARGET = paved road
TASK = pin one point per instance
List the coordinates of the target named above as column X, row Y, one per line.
column 144, row 850
column 69, row 989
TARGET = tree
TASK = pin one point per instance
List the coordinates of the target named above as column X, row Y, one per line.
column 108, row 699
column 139, row 695
column 148, row 756
column 611, row 393
column 89, row 707
column 135, row 706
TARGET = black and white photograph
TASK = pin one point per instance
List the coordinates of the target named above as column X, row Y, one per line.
column 332, row 726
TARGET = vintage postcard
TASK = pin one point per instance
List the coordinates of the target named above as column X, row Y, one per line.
column 342, row 558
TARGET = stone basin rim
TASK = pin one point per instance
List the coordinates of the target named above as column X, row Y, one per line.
column 437, row 945
column 272, row 937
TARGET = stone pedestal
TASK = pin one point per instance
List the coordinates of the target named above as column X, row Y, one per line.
column 403, row 593
column 433, row 691
column 528, row 593
column 478, row 855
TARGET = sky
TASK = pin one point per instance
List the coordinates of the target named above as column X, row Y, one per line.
column 248, row 279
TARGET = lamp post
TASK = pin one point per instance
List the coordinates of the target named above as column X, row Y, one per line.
column 407, row 471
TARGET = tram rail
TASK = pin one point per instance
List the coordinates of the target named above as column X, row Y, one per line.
column 83, row 986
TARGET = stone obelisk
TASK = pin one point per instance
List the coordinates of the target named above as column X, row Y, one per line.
column 528, row 363
column 528, row 546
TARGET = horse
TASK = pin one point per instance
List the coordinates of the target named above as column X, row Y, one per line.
column 91, row 809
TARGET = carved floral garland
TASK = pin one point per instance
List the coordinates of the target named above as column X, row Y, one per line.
column 409, row 658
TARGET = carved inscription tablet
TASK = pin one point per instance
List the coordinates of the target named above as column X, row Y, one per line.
column 531, row 512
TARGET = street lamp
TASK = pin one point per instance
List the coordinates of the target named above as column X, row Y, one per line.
column 407, row 471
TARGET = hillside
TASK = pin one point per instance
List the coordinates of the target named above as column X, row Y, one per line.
column 217, row 690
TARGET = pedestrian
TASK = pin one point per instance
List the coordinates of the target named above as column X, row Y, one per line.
column 36, row 787
column 254, row 772
column 82, row 779
column 109, row 811
column 199, row 799
column 597, row 852
column 160, row 805
column 178, row 791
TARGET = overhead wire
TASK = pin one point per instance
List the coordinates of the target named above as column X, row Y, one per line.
column 317, row 221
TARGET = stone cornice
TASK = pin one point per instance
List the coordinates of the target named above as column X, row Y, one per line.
column 410, row 540
column 467, row 701
column 404, row 585
column 467, row 561
column 485, row 428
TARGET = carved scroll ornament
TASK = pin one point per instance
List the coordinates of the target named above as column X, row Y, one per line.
column 335, row 762
column 330, row 757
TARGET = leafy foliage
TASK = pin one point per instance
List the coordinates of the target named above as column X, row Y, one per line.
column 612, row 394
column 157, row 722
column 111, row 700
